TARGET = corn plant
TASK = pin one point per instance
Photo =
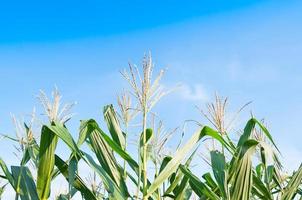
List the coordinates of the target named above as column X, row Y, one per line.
column 245, row 169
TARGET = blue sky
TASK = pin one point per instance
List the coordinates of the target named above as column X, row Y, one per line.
column 246, row 50
column 57, row 20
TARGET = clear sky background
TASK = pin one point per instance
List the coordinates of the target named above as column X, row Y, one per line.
column 247, row 50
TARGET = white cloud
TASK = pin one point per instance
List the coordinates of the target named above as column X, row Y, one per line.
column 195, row 92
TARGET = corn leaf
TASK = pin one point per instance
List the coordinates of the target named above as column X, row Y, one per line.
column 25, row 184
column 61, row 131
column 243, row 178
column 48, row 143
column 198, row 187
column 179, row 176
column 293, row 185
column 114, row 125
column 180, row 155
column 87, row 127
column 7, row 174
column 220, row 172
column 78, row 183
column 72, row 170
column 104, row 153
column 112, row 188
column 259, row 189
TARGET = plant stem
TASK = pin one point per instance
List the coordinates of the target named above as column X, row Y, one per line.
column 125, row 149
column 139, row 171
column 142, row 161
column 139, row 166
column 156, row 174
column 144, row 153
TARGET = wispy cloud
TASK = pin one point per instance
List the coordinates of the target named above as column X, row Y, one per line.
column 195, row 92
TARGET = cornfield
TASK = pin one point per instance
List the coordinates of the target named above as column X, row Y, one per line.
column 247, row 167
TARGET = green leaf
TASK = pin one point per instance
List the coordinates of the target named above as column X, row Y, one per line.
column 269, row 174
column 164, row 163
column 266, row 132
column 2, row 189
column 293, row 185
column 198, row 187
column 87, row 127
column 25, row 184
column 61, row 131
column 149, row 134
column 179, row 174
column 72, row 170
column 48, row 143
column 114, row 125
column 183, row 191
column 180, row 155
column 112, row 188
column 250, row 125
column 99, row 143
column 220, row 172
column 243, row 178
column 259, row 189
column 248, row 130
column 78, row 183
column 210, row 181
column 7, row 174
column 67, row 196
